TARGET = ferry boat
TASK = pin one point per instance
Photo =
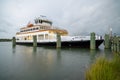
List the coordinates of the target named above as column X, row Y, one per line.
column 46, row 35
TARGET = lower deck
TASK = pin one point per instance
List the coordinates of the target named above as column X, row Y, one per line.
column 81, row 44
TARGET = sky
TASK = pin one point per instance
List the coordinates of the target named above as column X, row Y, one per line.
column 79, row 17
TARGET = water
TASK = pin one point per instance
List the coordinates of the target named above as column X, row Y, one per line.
column 45, row 63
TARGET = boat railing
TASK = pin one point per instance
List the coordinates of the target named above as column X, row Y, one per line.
column 24, row 40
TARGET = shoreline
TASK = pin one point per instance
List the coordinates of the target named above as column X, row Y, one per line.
column 5, row 40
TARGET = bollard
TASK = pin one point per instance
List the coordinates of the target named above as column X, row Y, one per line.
column 14, row 41
column 58, row 42
column 92, row 41
column 107, row 41
column 34, row 41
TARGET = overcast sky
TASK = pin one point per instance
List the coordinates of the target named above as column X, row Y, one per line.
column 79, row 17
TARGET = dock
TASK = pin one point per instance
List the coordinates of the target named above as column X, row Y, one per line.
column 112, row 42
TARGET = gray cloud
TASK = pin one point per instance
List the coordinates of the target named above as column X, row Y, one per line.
column 77, row 16
column 3, row 31
column 96, row 17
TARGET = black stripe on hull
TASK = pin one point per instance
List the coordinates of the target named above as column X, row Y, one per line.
column 81, row 44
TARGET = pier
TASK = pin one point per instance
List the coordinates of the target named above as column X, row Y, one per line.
column 115, row 44
column 112, row 43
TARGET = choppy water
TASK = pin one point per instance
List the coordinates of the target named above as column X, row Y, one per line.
column 45, row 63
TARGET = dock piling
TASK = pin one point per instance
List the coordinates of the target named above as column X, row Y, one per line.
column 115, row 47
column 118, row 45
column 14, row 41
column 115, row 44
column 34, row 41
column 92, row 41
column 58, row 44
column 107, row 41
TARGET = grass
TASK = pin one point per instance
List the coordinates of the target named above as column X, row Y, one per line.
column 104, row 69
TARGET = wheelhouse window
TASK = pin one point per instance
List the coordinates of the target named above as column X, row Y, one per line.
column 41, row 37
column 46, row 36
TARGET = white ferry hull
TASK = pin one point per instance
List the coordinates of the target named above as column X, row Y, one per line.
column 47, row 35
column 81, row 44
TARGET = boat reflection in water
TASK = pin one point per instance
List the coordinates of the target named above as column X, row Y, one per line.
column 45, row 63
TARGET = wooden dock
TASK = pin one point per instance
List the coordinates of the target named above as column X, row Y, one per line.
column 115, row 44
column 112, row 43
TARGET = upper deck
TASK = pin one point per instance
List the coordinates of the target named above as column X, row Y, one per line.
column 41, row 24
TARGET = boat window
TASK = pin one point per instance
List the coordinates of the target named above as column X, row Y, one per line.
column 36, row 21
column 51, row 37
column 36, row 28
column 40, row 21
column 41, row 27
column 25, row 38
column 41, row 37
column 46, row 36
column 33, row 28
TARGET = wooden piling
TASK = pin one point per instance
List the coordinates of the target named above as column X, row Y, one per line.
column 92, row 41
column 112, row 45
column 107, row 41
column 118, row 45
column 14, row 41
column 115, row 44
column 58, row 42
column 34, row 41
